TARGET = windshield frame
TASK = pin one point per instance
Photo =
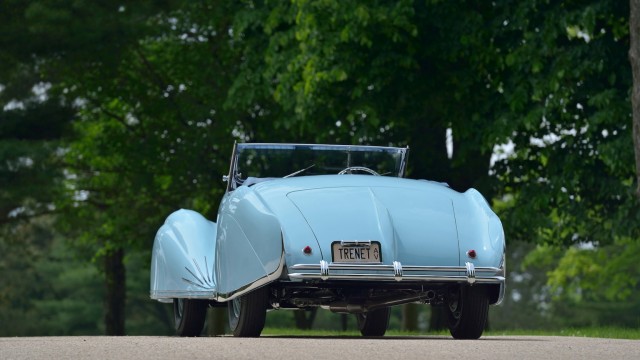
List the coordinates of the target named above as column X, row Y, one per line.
column 234, row 180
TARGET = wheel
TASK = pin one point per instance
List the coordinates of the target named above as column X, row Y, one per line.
column 189, row 316
column 374, row 323
column 467, row 310
column 247, row 313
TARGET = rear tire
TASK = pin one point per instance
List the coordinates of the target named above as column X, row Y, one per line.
column 247, row 313
column 467, row 310
column 374, row 323
column 189, row 316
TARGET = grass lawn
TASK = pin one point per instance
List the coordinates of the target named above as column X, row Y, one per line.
column 600, row 332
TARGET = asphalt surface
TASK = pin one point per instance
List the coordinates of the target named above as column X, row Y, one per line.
column 317, row 348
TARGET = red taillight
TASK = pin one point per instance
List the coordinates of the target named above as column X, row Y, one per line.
column 307, row 250
column 472, row 254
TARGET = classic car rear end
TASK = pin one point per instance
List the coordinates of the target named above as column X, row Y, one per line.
column 325, row 236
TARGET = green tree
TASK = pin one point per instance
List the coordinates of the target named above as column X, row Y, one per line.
column 571, row 178
column 159, row 90
column 549, row 78
column 153, row 138
column 568, row 85
column 46, row 290
column 30, row 147
column 398, row 73
column 634, row 58
column 33, row 126
column 107, row 61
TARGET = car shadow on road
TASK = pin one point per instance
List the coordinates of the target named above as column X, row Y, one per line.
column 416, row 337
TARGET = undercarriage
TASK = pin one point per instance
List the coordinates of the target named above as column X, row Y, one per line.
column 466, row 305
column 359, row 297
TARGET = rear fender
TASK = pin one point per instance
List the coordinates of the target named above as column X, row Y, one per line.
column 182, row 259
column 480, row 229
column 249, row 245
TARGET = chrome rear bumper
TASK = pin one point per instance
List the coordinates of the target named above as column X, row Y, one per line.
column 365, row 272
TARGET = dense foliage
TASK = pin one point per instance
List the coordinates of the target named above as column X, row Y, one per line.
column 115, row 114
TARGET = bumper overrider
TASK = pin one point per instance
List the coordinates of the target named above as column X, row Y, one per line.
column 397, row 272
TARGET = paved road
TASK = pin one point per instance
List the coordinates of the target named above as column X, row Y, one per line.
column 317, row 348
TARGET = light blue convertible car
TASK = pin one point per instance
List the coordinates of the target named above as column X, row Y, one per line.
column 331, row 226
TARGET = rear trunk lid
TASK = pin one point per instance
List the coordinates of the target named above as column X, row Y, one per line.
column 414, row 225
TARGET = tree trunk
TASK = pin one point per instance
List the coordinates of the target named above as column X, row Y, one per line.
column 473, row 172
column 437, row 320
column 428, row 153
column 410, row 317
column 304, row 318
column 634, row 58
column 344, row 320
column 217, row 319
column 115, row 281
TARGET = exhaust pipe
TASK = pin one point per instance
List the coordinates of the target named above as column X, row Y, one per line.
column 345, row 307
column 430, row 295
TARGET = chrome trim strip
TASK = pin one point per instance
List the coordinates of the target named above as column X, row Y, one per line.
column 471, row 272
column 501, row 294
column 324, row 270
column 171, row 294
column 365, row 267
column 385, row 277
column 397, row 272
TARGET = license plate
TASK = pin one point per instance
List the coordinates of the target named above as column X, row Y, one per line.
column 356, row 253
